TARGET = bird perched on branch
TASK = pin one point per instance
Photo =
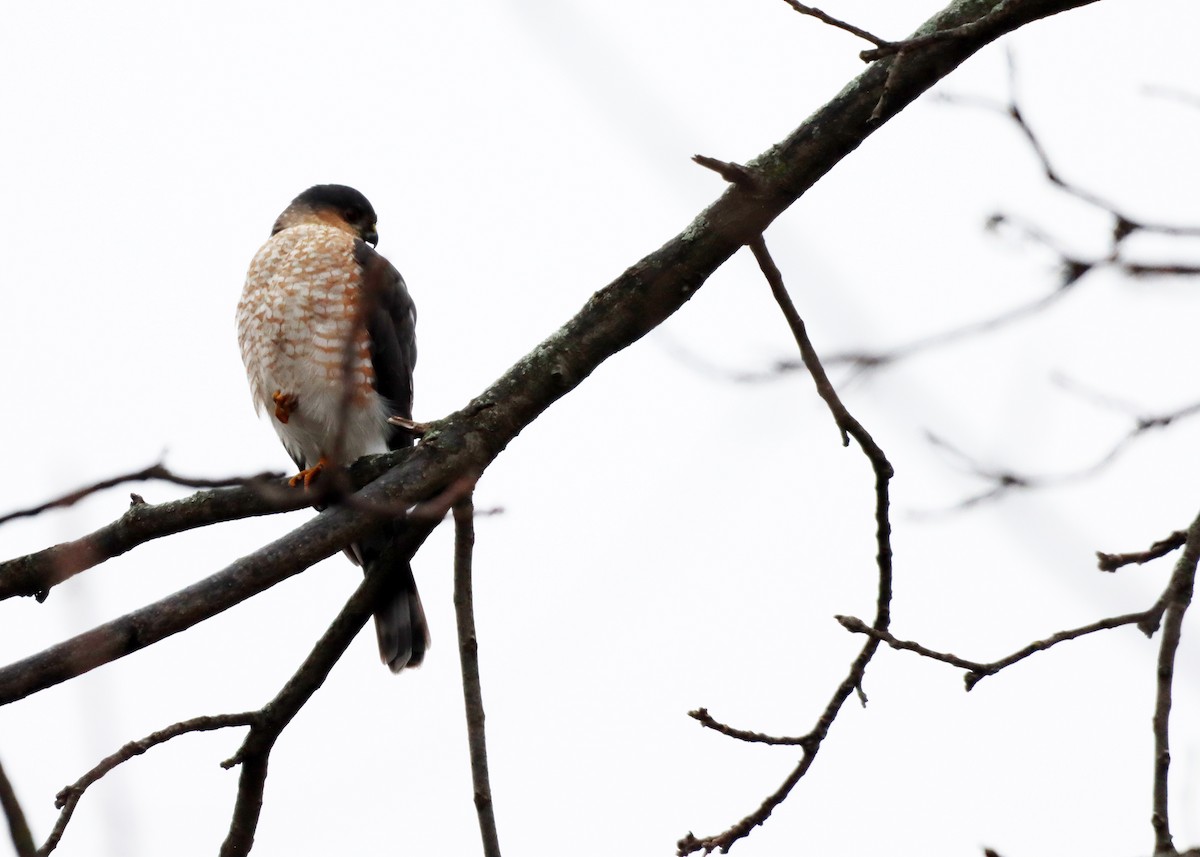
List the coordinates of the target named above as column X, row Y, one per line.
column 328, row 335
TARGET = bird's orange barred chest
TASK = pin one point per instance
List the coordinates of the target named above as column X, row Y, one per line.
column 297, row 315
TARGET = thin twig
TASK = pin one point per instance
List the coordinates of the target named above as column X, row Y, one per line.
column 1124, row 224
column 70, row 796
column 809, row 354
column 1072, row 269
column 18, row 827
column 852, row 683
column 706, row 720
column 1146, row 620
column 964, row 31
column 861, row 361
column 858, row 626
column 814, row 12
column 1003, row 481
column 468, row 653
column 885, row 48
column 970, row 330
column 157, row 471
column 1162, row 547
column 732, row 172
column 1158, row 269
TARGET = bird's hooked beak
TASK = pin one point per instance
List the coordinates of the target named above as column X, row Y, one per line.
column 371, row 236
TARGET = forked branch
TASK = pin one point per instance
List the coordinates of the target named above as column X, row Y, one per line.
column 852, row 683
column 1167, row 612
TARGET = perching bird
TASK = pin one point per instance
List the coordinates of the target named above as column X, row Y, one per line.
column 316, row 296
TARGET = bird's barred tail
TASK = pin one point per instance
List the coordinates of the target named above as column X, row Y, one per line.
column 399, row 619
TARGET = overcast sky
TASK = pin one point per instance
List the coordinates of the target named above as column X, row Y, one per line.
column 670, row 538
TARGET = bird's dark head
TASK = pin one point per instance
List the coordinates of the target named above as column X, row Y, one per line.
column 334, row 205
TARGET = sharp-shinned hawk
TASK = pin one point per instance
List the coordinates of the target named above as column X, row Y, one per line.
column 327, row 333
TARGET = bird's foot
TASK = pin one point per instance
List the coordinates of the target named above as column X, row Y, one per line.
column 285, row 403
column 415, row 429
column 309, row 474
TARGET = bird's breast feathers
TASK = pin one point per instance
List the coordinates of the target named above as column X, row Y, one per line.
column 298, row 324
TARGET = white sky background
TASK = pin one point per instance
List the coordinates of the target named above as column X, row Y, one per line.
column 670, row 539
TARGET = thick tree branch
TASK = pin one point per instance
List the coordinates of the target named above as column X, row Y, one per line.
column 318, row 538
column 36, row 573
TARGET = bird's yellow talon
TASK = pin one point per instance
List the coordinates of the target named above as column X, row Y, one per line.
column 308, row 475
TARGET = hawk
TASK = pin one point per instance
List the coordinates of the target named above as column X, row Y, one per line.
column 328, row 335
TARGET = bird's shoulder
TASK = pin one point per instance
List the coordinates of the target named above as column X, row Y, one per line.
column 382, row 281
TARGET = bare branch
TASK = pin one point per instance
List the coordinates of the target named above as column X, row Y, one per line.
column 274, row 717
column 415, row 429
column 858, row 626
column 157, row 471
column 313, row 541
column 1177, row 597
column 862, row 361
column 1072, row 269
column 468, row 652
column 70, row 796
column 1147, row 621
column 925, row 37
column 733, row 173
column 35, row 574
column 1162, row 547
column 1158, row 269
column 18, row 828
column 812, row 361
column 1124, row 224
column 1004, row 481
column 706, row 720
column 963, row 31
column 852, row 683
column 814, row 12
